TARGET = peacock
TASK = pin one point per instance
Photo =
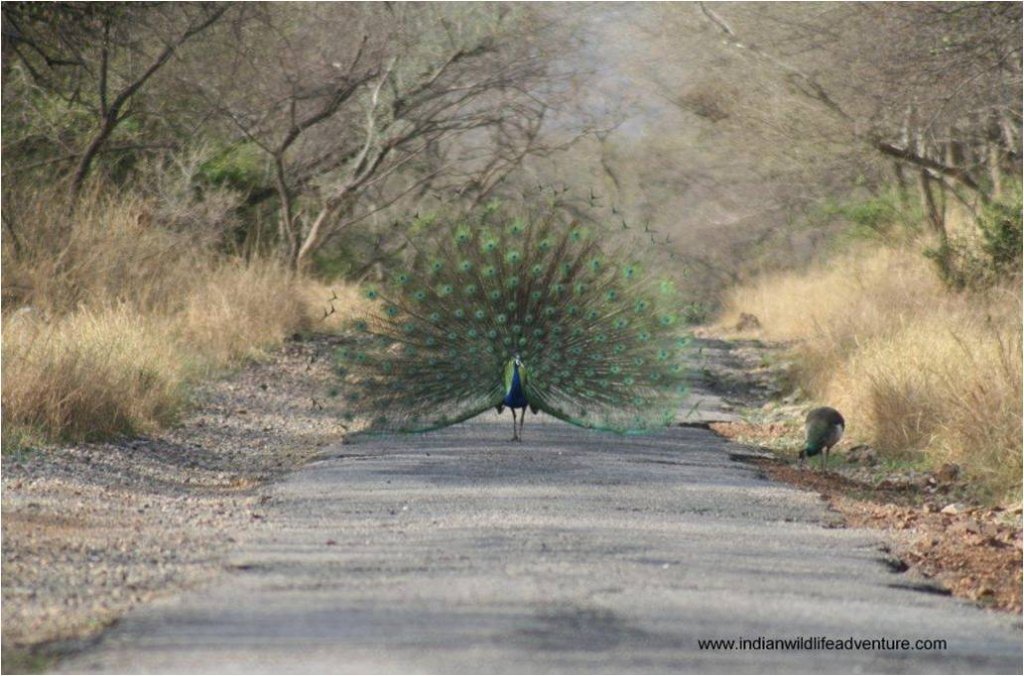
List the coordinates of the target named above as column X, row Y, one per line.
column 526, row 312
column 824, row 426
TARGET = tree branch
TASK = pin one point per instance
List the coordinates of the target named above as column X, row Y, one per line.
column 111, row 116
column 817, row 91
column 911, row 157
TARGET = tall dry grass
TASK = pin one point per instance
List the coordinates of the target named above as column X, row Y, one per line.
column 103, row 250
column 238, row 310
column 109, row 316
column 918, row 371
column 91, row 374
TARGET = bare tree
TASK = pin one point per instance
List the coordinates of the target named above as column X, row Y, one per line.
column 932, row 86
column 97, row 58
column 357, row 106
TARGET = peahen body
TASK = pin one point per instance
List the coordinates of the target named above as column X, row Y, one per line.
column 523, row 313
column 824, row 427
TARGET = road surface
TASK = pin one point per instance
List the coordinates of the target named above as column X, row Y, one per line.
column 459, row 551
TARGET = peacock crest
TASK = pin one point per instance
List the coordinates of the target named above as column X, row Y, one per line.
column 598, row 335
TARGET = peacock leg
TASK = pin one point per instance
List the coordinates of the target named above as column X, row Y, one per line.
column 515, row 437
column 522, row 421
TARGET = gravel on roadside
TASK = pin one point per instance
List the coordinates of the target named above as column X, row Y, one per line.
column 91, row 530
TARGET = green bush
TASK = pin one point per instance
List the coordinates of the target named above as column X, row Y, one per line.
column 1000, row 226
column 888, row 216
column 240, row 167
column 992, row 257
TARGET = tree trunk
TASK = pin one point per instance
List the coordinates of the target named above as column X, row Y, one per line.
column 995, row 161
column 930, row 206
column 938, row 225
column 901, row 185
column 1011, row 142
column 311, row 242
column 85, row 163
column 286, row 221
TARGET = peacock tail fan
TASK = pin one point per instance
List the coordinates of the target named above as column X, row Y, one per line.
column 600, row 336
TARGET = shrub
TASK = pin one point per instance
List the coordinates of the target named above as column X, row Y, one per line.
column 92, row 375
column 918, row 371
column 110, row 313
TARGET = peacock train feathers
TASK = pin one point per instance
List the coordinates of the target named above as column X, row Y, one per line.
column 598, row 337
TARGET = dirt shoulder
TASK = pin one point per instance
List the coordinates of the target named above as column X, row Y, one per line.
column 932, row 521
column 91, row 530
column 972, row 551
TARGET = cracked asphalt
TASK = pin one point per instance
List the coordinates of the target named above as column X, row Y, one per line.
column 461, row 552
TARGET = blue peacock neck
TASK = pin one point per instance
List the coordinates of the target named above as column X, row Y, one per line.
column 515, row 392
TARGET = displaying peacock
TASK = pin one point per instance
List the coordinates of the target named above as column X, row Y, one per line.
column 523, row 312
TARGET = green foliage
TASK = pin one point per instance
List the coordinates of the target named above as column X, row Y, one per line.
column 26, row 661
column 241, row 167
column 993, row 256
column 19, row 441
column 875, row 214
column 972, row 260
column 887, row 216
column 697, row 313
column 1000, row 226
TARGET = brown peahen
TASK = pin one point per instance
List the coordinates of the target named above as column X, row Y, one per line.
column 824, row 426
column 518, row 312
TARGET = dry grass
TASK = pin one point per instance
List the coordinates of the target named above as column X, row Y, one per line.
column 238, row 309
column 918, row 370
column 867, row 295
column 105, row 251
column 91, row 375
column 108, row 316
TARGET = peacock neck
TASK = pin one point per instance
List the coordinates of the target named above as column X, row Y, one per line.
column 515, row 396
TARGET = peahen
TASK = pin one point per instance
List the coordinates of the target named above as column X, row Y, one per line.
column 517, row 312
column 824, row 426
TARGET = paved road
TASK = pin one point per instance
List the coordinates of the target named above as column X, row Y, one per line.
column 458, row 551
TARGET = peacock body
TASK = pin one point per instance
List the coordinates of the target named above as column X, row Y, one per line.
column 517, row 312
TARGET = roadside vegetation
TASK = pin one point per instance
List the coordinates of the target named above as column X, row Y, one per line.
column 924, row 360
column 117, row 314
column 183, row 184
